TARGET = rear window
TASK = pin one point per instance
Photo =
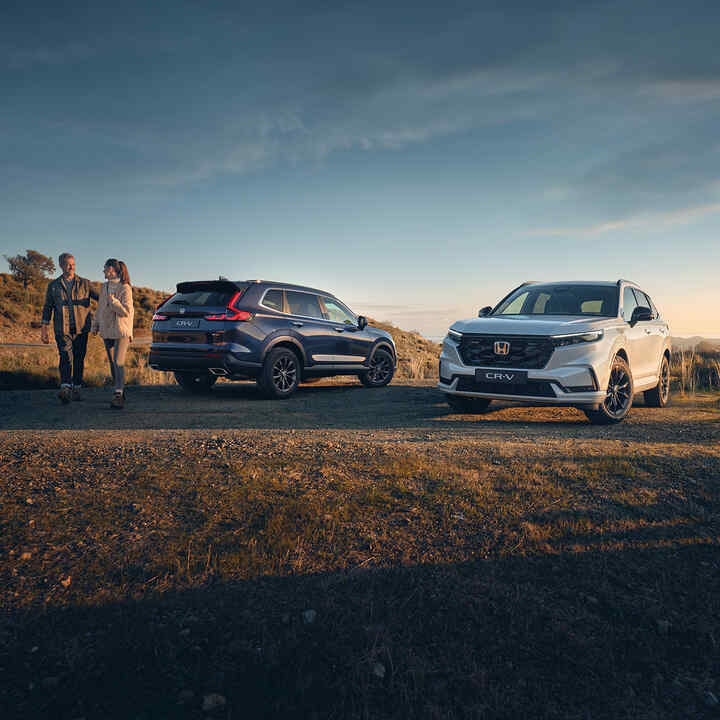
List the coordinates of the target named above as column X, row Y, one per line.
column 205, row 294
column 201, row 298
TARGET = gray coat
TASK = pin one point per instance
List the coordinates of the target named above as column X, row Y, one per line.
column 59, row 306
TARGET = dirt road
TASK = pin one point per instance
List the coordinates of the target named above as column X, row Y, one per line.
column 402, row 409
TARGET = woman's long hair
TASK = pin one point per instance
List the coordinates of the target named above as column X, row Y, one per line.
column 120, row 268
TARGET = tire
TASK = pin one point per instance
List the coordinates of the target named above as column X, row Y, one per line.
column 280, row 374
column 468, row 405
column 196, row 383
column 619, row 396
column 382, row 369
column 659, row 396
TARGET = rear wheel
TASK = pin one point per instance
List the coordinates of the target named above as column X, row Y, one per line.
column 196, row 383
column 468, row 405
column 659, row 395
column 380, row 371
column 618, row 398
column 280, row 374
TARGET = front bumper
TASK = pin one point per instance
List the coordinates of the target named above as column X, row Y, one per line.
column 569, row 378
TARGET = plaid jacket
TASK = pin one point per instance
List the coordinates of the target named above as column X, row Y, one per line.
column 58, row 304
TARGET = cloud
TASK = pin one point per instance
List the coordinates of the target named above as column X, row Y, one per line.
column 645, row 221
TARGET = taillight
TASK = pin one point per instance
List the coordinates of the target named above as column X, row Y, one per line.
column 231, row 312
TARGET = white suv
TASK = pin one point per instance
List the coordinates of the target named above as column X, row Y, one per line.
column 592, row 345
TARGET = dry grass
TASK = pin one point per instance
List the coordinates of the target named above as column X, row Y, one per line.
column 23, row 368
column 447, row 581
column 695, row 371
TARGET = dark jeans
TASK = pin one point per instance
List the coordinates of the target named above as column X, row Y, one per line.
column 72, row 349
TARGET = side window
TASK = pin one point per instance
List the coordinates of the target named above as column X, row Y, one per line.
column 273, row 300
column 629, row 303
column 336, row 312
column 302, row 303
column 643, row 300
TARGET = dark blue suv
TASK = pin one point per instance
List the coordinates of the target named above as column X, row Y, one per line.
column 278, row 334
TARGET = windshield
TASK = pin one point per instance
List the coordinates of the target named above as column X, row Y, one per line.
column 594, row 300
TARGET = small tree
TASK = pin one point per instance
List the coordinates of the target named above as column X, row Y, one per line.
column 31, row 268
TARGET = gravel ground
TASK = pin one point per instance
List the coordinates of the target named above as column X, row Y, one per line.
column 355, row 553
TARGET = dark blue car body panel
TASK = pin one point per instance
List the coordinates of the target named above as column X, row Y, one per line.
column 186, row 341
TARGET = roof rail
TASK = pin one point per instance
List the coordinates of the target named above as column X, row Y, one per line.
column 625, row 280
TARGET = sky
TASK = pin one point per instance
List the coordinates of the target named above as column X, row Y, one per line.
column 418, row 161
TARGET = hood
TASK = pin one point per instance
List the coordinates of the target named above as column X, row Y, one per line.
column 532, row 325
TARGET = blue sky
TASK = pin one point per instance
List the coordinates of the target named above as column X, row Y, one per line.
column 417, row 161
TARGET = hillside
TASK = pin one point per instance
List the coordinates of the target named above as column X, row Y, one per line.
column 20, row 310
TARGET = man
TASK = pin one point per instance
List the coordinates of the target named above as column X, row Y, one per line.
column 68, row 299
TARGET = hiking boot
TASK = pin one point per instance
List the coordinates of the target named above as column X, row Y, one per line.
column 118, row 401
column 76, row 393
column 65, row 394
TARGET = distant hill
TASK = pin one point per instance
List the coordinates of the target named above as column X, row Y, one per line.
column 697, row 343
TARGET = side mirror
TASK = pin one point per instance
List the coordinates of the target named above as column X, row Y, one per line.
column 641, row 314
column 362, row 322
column 483, row 312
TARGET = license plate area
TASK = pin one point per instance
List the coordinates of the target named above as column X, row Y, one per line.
column 183, row 324
column 501, row 377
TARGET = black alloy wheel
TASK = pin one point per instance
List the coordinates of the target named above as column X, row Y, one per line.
column 660, row 395
column 196, row 383
column 281, row 373
column 380, row 371
column 618, row 397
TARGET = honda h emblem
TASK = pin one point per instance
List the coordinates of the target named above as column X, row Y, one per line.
column 502, row 347
column 182, row 310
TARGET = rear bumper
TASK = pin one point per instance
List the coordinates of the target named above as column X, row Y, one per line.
column 215, row 362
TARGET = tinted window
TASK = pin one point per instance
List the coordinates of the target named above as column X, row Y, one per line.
column 599, row 300
column 629, row 303
column 302, row 303
column 201, row 298
column 274, row 300
column 337, row 313
column 515, row 305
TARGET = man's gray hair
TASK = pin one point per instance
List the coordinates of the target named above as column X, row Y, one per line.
column 63, row 257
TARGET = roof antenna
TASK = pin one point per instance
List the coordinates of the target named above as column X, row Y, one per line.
column 222, row 277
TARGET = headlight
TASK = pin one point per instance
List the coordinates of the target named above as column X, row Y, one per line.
column 564, row 340
column 454, row 335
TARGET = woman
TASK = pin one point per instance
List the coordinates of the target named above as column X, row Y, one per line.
column 114, row 321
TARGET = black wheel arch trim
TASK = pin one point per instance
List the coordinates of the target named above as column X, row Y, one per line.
column 288, row 339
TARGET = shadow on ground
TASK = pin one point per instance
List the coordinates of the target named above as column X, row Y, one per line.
column 629, row 634
column 239, row 406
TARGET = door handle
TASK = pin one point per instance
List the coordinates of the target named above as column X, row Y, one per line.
column 339, row 329
column 297, row 324
column 648, row 332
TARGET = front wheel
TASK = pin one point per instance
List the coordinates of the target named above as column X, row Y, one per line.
column 196, row 383
column 468, row 405
column 660, row 395
column 618, row 398
column 280, row 374
column 381, row 370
